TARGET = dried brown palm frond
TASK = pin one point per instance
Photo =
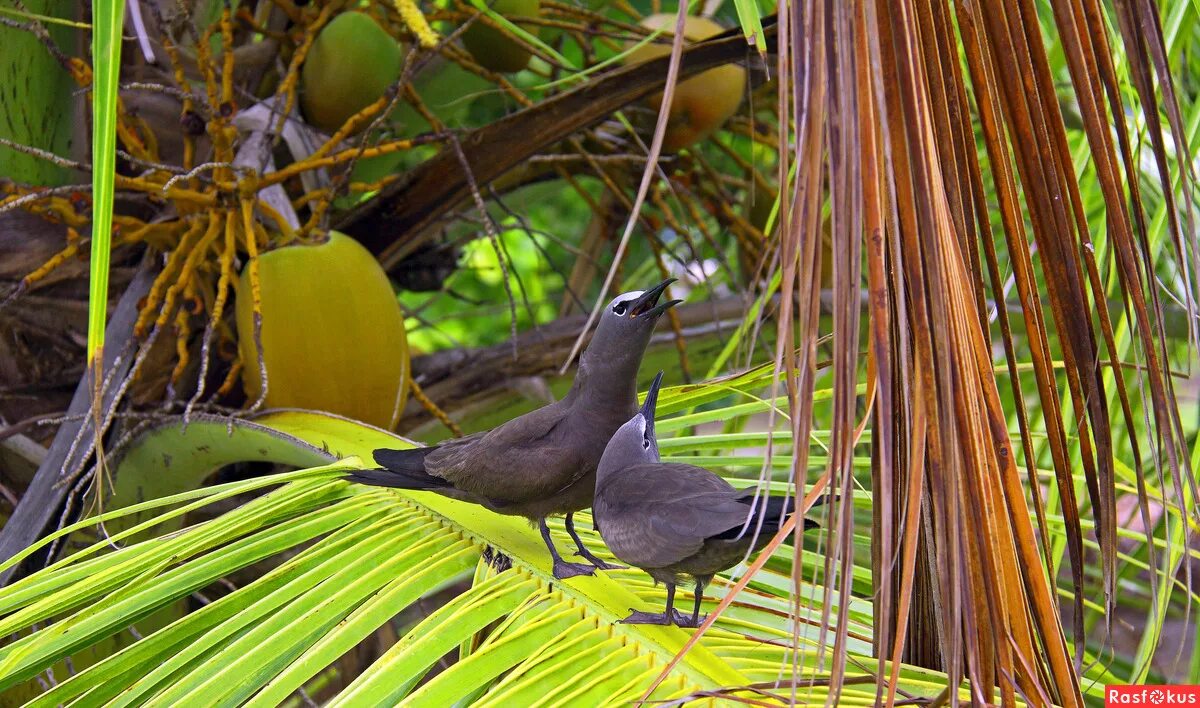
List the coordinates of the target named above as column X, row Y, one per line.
column 934, row 134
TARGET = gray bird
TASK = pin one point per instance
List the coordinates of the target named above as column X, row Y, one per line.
column 675, row 520
column 544, row 462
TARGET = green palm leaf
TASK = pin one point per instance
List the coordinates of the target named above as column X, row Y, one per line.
column 355, row 557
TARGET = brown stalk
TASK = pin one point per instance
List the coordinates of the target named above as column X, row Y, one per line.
column 394, row 223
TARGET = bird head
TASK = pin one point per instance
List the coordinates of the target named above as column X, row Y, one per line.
column 634, row 443
column 624, row 330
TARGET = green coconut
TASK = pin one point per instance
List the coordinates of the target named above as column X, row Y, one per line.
column 333, row 335
column 494, row 49
column 350, row 65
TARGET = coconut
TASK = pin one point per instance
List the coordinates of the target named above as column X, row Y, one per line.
column 350, row 65
column 332, row 336
column 702, row 103
column 494, row 49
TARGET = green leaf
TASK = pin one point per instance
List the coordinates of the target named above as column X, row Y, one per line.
column 106, row 61
column 41, row 88
column 355, row 557
column 751, row 21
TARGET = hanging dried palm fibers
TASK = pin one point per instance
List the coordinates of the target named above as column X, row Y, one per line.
column 933, row 134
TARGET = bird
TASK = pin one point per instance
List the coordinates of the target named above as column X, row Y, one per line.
column 674, row 520
column 543, row 463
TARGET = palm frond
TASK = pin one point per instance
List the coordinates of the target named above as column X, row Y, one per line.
column 352, row 558
column 934, row 135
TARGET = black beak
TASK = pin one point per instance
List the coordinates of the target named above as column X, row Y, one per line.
column 651, row 401
column 645, row 306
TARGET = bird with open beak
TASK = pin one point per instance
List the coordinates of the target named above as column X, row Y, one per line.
column 674, row 520
column 543, row 463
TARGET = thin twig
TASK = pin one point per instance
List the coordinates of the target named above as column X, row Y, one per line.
column 37, row 29
column 148, row 164
column 31, row 422
column 428, row 404
column 42, row 194
column 493, row 235
column 45, row 155
column 192, row 173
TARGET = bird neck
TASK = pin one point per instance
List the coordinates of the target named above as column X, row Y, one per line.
column 612, row 461
column 611, row 385
column 605, row 469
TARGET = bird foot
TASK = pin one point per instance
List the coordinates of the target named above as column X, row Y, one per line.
column 686, row 621
column 564, row 570
column 636, row 617
column 676, row 617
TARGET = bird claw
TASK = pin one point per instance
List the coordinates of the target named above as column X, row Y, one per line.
column 564, row 570
column 636, row 617
column 497, row 560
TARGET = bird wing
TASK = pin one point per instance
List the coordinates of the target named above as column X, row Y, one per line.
column 672, row 508
column 525, row 459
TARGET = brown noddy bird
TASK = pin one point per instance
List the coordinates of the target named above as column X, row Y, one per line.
column 544, row 462
column 676, row 520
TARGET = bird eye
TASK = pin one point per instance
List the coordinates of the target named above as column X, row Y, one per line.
column 619, row 309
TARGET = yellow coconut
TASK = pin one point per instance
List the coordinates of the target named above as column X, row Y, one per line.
column 496, row 50
column 702, row 103
column 350, row 65
column 332, row 332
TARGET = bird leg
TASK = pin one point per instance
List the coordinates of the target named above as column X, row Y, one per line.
column 583, row 550
column 696, row 618
column 562, row 569
column 666, row 617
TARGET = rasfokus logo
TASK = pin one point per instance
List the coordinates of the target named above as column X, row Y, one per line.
column 1151, row 696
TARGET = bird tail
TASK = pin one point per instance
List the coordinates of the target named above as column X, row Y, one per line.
column 402, row 469
column 774, row 511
